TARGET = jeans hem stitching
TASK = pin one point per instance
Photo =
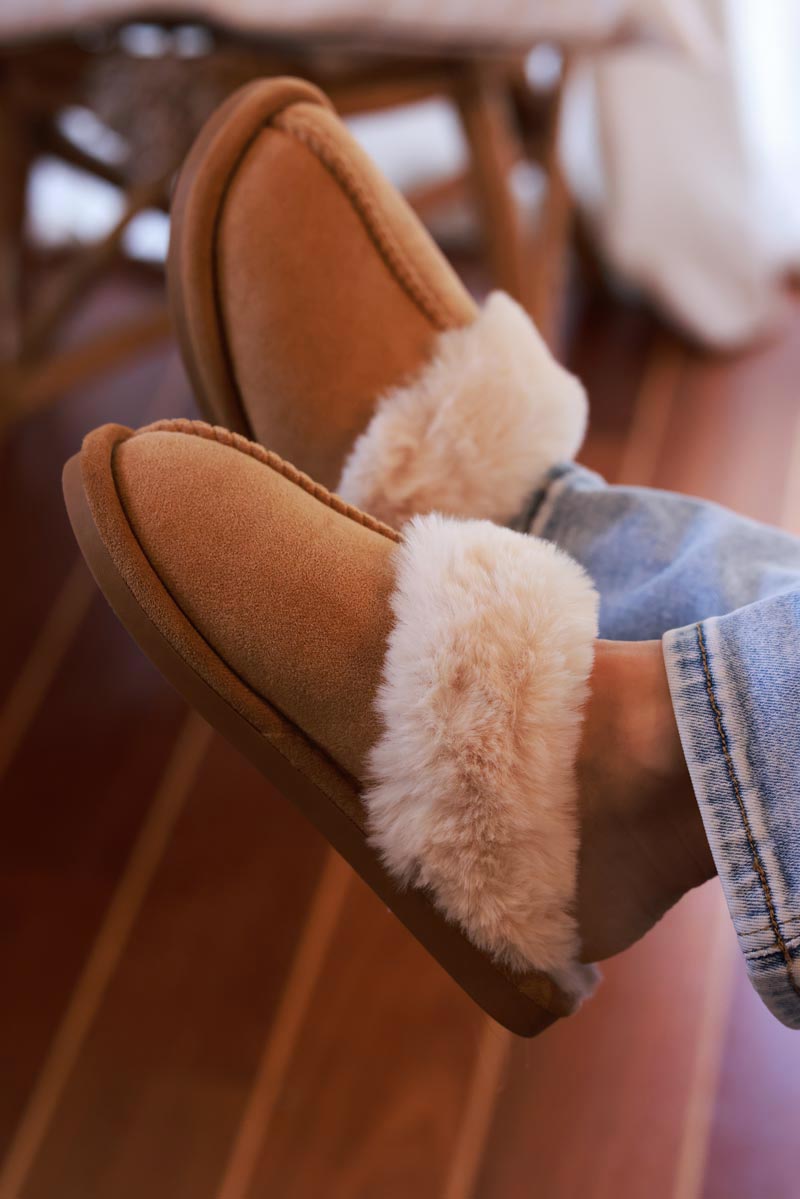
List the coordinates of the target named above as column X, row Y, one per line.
column 757, row 863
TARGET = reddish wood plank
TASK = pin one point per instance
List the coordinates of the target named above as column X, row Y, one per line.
column 732, row 427
column 594, row 1108
column 579, row 1117
column 71, row 804
column 158, row 1089
column 754, row 1149
column 609, row 353
column 270, row 1079
column 34, row 527
column 376, row 1090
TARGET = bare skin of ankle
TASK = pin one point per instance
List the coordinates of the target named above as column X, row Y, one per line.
column 642, row 839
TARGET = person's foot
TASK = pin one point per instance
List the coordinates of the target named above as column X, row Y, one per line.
column 418, row 696
column 642, row 839
column 422, row 697
column 316, row 316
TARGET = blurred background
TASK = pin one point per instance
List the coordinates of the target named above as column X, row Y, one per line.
column 199, row 1000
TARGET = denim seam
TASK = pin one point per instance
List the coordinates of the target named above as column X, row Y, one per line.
column 751, row 841
column 786, row 922
column 753, row 955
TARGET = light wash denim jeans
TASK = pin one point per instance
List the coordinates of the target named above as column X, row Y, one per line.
column 723, row 594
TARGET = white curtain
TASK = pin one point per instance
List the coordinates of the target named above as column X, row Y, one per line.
column 688, row 165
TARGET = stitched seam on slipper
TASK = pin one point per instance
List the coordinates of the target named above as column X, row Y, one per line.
column 268, row 703
column 236, row 441
column 519, row 981
column 379, row 233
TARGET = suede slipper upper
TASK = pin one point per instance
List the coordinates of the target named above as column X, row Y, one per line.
column 418, row 696
column 316, row 316
column 302, row 284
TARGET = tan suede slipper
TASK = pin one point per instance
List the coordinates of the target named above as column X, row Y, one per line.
column 418, row 697
column 316, row 315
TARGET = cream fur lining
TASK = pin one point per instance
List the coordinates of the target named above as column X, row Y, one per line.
column 474, row 433
column 473, row 792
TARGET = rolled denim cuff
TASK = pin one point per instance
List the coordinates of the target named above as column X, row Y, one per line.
column 738, row 727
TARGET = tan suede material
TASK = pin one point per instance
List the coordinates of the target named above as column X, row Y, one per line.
column 397, row 233
column 194, row 214
column 274, row 593
column 292, row 595
column 329, row 290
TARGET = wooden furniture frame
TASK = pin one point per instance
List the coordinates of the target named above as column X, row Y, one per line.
column 39, row 80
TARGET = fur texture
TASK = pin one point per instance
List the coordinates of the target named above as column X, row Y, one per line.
column 475, row 432
column 473, row 792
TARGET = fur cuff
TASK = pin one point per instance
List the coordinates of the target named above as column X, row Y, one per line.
column 473, row 792
column 475, row 432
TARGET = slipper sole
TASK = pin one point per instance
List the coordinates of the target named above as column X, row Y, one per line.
column 524, row 1004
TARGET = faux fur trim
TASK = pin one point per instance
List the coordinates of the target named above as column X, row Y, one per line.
column 475, row 432
column 473, row 793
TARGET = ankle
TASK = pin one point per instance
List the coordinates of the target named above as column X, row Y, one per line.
column 642, row 833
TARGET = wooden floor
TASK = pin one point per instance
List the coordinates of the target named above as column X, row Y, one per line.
column 200, row 1001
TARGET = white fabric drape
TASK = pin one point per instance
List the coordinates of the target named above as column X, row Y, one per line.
column 689, row 165
column 457, row 22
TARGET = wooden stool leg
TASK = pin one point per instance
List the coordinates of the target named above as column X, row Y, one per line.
column 15, row 156
column 487, row 121
column 550, row 259
column 68, row 287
